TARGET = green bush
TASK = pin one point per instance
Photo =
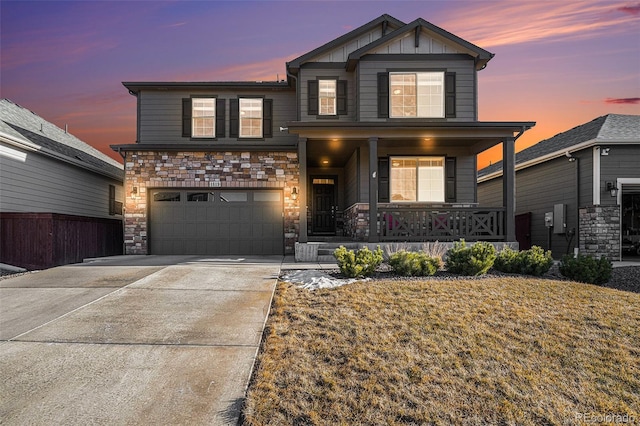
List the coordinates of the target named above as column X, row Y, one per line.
column 418, row 264
column 534, row 261
column 586, row 269
column 474, row 260
column 361, row 263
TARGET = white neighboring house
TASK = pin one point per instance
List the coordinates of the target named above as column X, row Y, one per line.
column 60, row 199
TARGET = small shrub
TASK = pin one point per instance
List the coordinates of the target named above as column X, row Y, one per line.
column 418, row 264
column 474, row 260
column 361, row 263
column 534, row 261
column 586, row 269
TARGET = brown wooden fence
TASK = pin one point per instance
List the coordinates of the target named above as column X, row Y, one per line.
column 44, row 240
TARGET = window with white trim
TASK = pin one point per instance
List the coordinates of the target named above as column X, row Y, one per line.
column 416, row 94
column 250, row 117
column 203, row 117
column 417, row 179
column 327, row 97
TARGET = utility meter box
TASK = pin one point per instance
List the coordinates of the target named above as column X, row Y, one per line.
column 548, row 219
column 559, row 218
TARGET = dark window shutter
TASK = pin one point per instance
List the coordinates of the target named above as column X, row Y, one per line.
column 450, row 94
column 450, row 181
column 383, row 180
column 312, row 108
column 383, row 95
column 186, row 117
column 234, row 118
column 220, row 117
column 342, row 97
column 267, row 118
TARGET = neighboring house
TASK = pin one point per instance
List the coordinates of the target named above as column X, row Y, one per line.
column 585, row 182
column 372, row 138
column 60, row 199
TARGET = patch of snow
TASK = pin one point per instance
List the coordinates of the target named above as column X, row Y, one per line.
column 312, row 279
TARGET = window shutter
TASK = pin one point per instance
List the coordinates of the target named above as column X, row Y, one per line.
column 186, row 118
column 234, row 118
column 312, row 108
column 383, row 95
column 341, row 97
column 450, row 180
column 383, row 180
column 220, row 117
column 450, row 94
column 267, row 118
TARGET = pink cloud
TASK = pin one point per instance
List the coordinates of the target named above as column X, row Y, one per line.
column 633, row 10
column 623, row 101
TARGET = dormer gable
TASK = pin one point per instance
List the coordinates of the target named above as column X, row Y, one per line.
column 338, row 50
column 420, row 37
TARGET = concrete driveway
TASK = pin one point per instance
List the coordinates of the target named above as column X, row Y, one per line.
column 133, row 340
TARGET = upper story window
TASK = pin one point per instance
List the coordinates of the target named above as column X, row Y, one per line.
column 416, row 94
column 250, row 117
column 203, row 117
column 327, row 97
column 417, row 179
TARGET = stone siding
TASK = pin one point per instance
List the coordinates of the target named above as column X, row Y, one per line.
column 356, row 222
column 249, row 170
column 600, row 231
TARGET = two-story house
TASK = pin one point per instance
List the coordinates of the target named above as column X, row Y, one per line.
column 372, row 137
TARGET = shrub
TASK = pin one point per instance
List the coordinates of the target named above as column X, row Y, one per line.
column 586, row 269
column 414, row 263
column 358, row 264
column 474, row 260
column 534, row 261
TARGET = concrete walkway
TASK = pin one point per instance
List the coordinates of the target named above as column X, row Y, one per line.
column 133, row 340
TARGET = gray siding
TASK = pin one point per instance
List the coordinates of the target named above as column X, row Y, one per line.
column 351, row 179
column 623, row 161
column 43, row 185
column 368, row 84
column 160, row 115
column 312, row 73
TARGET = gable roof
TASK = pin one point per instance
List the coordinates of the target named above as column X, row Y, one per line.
column 610, row 128
column 482, row 56
column 25, row 128
column 383, row 21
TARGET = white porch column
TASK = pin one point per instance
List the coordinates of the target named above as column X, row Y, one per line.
column 373, row 190
column 509, row 187
column 302, row 192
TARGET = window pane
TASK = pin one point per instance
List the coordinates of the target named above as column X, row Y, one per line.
column 403, row 179
column 203, row 113
column 327, row 97
column 267, row 196
column 403, row 94
column 431, row 179
column 250, row 118
column 166, row 196
column 233, row 197
column 430, row 94
column 417, row 179
column 200, row 196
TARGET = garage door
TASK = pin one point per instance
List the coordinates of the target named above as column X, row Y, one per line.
column 236, row 222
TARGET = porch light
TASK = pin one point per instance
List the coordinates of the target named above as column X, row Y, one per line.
column 612, row 189
column 134, row 191
column 294, row 193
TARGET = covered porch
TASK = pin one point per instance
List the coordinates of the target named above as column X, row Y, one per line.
column 345, row 174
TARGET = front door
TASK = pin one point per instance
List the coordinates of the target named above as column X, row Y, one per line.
column 324, row 208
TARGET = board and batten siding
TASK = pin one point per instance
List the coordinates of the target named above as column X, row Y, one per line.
column 623, row 161
column 160, row 114
column 313, row 73
column 44, row 185
column 466, row 103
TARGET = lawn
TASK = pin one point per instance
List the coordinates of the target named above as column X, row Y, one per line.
column 507, row 350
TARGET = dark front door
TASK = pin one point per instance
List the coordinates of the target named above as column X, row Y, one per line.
column 324, row 210
column 523, row 230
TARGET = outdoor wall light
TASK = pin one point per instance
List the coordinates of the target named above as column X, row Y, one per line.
column 612, row 189
column 134, row 191
column 605, row 151
column 294, row 193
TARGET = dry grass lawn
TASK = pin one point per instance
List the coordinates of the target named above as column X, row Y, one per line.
column 519, row 351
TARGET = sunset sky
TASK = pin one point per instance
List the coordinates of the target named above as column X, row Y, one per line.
column 559, row 63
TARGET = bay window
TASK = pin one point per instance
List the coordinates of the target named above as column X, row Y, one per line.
column 417, row 179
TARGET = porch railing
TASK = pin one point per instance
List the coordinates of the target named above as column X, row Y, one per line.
column 442, row 224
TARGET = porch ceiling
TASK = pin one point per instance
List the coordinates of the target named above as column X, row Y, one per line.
column 330, row 144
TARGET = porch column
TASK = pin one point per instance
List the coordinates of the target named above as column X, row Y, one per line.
column 509, row 187
column 373, row 190
column 302, row 191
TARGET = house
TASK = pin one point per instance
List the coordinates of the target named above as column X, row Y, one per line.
column 372, row 138
column 60, row 199
column 579, row 190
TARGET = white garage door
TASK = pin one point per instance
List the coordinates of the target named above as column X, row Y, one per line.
column 234, row 222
